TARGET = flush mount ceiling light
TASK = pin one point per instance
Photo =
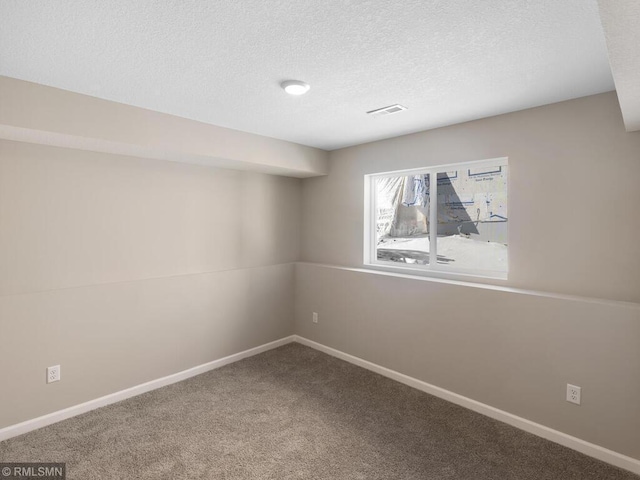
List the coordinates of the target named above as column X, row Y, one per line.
column 295, row 87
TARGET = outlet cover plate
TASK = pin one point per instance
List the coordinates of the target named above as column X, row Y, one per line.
column 53, row 374
column 573, row 394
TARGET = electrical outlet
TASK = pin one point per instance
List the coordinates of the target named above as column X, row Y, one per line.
column 315, row 317
column 53, row 374
column 573, row 394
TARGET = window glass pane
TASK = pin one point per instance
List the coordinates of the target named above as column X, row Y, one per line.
column 472, row 218
column 402, row 219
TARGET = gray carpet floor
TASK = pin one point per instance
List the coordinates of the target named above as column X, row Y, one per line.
column 295, row 413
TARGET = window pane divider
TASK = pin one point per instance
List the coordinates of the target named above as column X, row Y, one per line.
column 433, row 219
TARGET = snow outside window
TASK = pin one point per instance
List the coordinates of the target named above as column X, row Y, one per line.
column 449, row 219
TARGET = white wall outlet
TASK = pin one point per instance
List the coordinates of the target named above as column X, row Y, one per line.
column 573, row 394
column 315, row 317
column 53, row 374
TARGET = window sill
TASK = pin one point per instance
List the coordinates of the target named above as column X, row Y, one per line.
column 490, row 278
column 489, row 284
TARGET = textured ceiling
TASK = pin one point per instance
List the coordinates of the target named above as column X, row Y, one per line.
column 221, row 61
column 621, row 22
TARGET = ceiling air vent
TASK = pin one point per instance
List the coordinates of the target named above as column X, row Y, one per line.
column 391, row 109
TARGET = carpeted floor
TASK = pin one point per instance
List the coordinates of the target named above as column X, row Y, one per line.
column 295, row 413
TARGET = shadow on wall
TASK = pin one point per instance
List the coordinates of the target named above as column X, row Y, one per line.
column 454, row 219
column 411, row 215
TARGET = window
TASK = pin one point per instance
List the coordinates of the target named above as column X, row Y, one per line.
column 445, row 219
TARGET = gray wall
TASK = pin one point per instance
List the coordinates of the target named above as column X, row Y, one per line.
column 574, row 175
column 45, row 115
column 573, row 194
column 123, row 270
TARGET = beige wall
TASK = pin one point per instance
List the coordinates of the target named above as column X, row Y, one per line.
column 123, row 270
column 573, row 197
column 515, row 352
column 50, row 116
column 573, row 229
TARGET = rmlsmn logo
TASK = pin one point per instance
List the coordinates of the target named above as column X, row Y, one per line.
column 28, row 471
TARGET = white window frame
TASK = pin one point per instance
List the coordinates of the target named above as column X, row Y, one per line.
column 433, row 268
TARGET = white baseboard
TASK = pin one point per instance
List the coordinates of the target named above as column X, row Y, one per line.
column 43, row 421
column 587, row 448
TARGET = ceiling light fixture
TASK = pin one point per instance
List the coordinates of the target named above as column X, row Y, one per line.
column 295, row 87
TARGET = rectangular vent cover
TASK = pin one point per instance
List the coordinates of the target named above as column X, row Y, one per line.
column 379, row 112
